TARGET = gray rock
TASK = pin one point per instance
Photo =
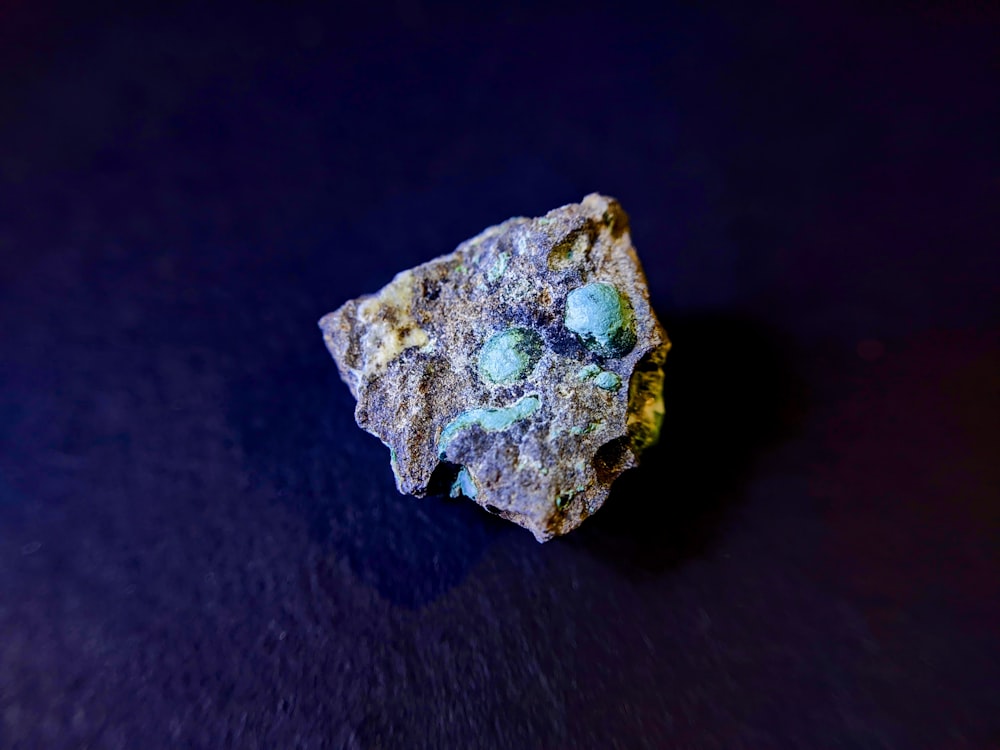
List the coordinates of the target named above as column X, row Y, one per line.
column 523, row 370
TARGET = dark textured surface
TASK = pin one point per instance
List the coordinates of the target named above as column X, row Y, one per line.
column 199, row 548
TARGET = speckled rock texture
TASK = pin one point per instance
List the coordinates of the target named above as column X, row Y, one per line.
column 523, row 370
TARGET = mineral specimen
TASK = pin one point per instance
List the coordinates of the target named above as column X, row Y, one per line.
column 497, row 372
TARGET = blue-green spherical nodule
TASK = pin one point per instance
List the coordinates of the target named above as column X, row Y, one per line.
column 602, row 317
column 510, row 355
column 608, row 381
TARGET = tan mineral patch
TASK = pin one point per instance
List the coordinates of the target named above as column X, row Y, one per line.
column 390, row 328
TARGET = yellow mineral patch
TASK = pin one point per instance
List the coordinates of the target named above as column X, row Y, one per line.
column 646, row 407
column 390, row 327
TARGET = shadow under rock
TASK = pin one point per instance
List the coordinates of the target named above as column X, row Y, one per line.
column 296, row 428
column 730, row 393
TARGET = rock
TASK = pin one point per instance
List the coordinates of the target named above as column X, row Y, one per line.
column 523, row 370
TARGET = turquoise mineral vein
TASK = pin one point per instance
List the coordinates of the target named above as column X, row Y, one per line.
column 489, row 419
column 464, row 485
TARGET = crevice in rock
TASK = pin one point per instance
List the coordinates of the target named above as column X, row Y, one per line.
column 442, row 478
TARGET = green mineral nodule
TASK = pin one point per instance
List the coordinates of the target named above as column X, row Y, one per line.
column 510, row 355
column 601, row 316
column 608, row 381
column 604, row 379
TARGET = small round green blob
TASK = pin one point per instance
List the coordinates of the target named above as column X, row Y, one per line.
column 510, row 355
column 602, row 317
column 609, row 381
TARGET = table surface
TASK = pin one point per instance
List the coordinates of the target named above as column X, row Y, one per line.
column 199, row 548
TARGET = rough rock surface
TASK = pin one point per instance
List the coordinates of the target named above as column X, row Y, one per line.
column 523, row 370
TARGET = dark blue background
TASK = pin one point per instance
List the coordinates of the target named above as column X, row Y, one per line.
column 199, row 548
